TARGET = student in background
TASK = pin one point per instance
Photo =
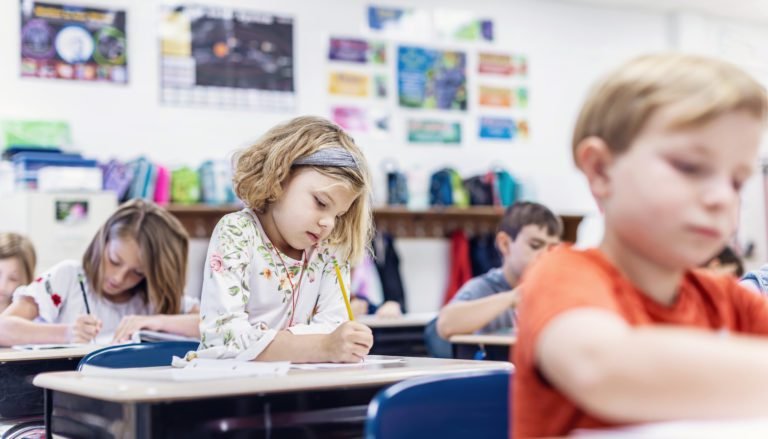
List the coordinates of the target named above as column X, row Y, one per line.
column 630, row 332
column 17, row 265
column 131, row 277
column 270, row 291
column 726, row 262
column 486, row 303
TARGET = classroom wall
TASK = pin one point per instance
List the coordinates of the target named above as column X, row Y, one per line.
column 569, row 46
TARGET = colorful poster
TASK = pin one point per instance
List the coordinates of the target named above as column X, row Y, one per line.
column 434, row 131
column 497, row 128
column 522, row 97
column 361, row 120
column 522, row 129
column 357, row 51
column 380, row 85
column 433, row 79
column 402, row 23
column 348, row 84
column 495, row 97
column 349, row 50
column 456, row 25
column 224, row 57
column 73, row 42
column 502, row 64
column 350, row 118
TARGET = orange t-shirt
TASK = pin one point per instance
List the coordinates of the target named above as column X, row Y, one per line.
column 564, row 279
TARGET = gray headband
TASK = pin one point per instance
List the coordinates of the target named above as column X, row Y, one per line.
column 335, row 156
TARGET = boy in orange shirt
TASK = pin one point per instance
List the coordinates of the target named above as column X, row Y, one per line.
column 630, row 332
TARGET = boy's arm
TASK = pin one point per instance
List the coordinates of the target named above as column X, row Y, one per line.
column 468, row 316
column 653, row 373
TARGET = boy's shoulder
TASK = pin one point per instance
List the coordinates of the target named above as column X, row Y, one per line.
column 565, row 257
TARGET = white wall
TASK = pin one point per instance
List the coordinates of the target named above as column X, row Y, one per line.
column 569, row 47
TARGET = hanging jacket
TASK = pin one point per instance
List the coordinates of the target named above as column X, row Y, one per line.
column 388, row 266
column 460, row 268
column 483, row 254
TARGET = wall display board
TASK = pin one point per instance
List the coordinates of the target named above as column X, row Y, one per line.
column 228, row 58
column 431, row 79
column 65, row 41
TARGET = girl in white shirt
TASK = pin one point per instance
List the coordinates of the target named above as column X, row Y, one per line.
column 270, row 291
column 131, row 277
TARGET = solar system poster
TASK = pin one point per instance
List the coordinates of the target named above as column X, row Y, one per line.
column 227, row 57
column 70, row 42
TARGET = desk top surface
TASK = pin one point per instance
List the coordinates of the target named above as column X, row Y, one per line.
column 406, row 320
column 508, row 339
column 10, row 355
column 139, row 390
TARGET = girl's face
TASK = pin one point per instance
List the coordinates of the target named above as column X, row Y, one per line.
column 11, row 277
column 123, row 268
column 307, row 212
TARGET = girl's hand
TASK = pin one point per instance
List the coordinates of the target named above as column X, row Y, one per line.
column 349, row 343
column 84, row 329
column 389, row 309
column 131, row 324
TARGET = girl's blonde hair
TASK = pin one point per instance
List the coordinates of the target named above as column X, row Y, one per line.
column 163, row 244
column 13, row 245
column 262, row 168
column 699, row 88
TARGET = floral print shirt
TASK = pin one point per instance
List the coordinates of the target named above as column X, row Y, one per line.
column 59, row 299
column 247, row 294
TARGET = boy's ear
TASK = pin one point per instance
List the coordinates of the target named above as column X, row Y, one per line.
column 593, row 158
column 502, row 243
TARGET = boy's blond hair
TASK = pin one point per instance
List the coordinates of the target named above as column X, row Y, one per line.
column 700, row 88
column 163, row 244
column 261, row 169
column 13, row 245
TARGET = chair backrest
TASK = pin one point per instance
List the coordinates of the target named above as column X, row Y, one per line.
column 466, row 405
column 138, row 354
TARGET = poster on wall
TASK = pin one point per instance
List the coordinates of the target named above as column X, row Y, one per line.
column 65, row 41
column 464, row 26
column 502, row 64
column 400, row 22
column 434, row 132
column 431, row 79
column 348, row 84
column 363, row 120
column 227, row 58
column 495, row 97
column 357, row 50
column 497, row 128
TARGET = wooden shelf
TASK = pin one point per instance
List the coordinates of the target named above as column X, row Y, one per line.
column 437, row 222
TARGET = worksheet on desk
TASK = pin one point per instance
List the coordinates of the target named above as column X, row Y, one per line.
column 366, row 362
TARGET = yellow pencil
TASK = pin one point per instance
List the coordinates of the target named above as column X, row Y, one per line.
column 343, row 291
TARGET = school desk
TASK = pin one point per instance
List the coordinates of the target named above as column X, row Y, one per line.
column 496, row 346
column 302, row 403
column 699, row 429
column 402, row 335
column 18, row 397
